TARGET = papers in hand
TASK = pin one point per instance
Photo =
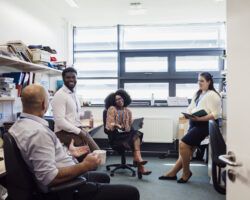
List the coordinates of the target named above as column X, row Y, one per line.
column 199, row 113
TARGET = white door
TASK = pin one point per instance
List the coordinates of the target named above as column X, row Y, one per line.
column 238, row 130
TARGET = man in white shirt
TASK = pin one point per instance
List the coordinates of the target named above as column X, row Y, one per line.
column 49, row 162
column 67, row 113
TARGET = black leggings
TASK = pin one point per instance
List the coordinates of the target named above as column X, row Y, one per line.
column 98, row 188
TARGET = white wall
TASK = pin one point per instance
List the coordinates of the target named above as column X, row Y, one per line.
column 31, row 22
column 238, row 104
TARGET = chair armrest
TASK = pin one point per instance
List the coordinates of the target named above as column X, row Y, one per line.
column 68, row 185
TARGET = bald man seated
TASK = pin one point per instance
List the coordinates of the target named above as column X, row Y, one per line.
column 46, row 158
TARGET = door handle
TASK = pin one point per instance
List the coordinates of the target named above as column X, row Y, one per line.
column 230, row 159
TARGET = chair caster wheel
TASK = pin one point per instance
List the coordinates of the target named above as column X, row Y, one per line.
column 139, row 175
column 108, row 168
column 133, row 175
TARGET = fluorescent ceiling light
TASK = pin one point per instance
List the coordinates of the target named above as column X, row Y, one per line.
column 72, row 3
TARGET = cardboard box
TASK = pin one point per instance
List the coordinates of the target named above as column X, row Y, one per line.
column 40, row 55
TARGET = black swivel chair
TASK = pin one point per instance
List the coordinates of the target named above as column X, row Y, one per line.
column 21, row 184
column 121, row 151
column 218, row 147
column 51, row 122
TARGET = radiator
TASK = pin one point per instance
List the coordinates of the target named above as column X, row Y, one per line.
column 158, row 130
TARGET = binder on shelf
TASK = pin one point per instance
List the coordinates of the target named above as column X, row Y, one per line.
column 17, row 76
column 26, row 79
column 21, row 79
column 31, row 78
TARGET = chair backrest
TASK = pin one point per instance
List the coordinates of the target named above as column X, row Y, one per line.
column 51, row 122
column 104, row 118
column 218, row 145
column 20, row 181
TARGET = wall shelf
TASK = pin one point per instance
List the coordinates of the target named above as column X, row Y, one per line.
column 7, row 99
column 14, row 64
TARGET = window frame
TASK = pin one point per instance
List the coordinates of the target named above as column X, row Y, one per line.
column 172, row 77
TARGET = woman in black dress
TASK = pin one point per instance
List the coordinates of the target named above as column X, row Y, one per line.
column 208, row 99
column 119, row 122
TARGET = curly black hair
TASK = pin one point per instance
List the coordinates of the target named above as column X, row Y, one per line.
column 110, row 99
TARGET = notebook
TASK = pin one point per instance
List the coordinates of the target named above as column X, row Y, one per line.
column 199, row 113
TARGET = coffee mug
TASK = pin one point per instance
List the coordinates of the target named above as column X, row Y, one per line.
column 102, row 155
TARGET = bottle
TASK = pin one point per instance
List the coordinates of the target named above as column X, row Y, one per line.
column 152, row 100
column 91, row 121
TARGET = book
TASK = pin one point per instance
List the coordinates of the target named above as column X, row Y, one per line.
column 199, row 113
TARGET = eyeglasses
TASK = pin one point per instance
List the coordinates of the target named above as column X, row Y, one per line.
column 119, row 99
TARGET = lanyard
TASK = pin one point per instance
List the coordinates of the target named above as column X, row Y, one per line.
column 122, row 116
column 200, row 98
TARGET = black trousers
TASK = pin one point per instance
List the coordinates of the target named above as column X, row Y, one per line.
column 98, row 188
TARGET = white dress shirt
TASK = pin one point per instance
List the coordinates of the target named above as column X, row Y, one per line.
column 209, row 101
column 66, row 111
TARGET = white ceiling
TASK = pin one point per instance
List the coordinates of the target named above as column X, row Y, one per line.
column 112, row 12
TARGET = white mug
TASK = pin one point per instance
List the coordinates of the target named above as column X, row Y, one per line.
column 102, row 155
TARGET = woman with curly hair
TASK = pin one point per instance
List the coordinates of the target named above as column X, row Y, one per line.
column 119, row 122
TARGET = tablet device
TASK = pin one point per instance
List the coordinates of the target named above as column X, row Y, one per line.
column 136, row 125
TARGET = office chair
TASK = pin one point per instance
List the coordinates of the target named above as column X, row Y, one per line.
column 218, row 147
column 21, row 183
column 51, row 122
column 121, row 151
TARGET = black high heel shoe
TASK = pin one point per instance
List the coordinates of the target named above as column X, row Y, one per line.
column 141, row 171
column 140, row 174
column 170, row 178
column 136, row 163
column 181, row 180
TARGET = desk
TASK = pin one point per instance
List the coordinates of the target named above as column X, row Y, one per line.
column 97, row 124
